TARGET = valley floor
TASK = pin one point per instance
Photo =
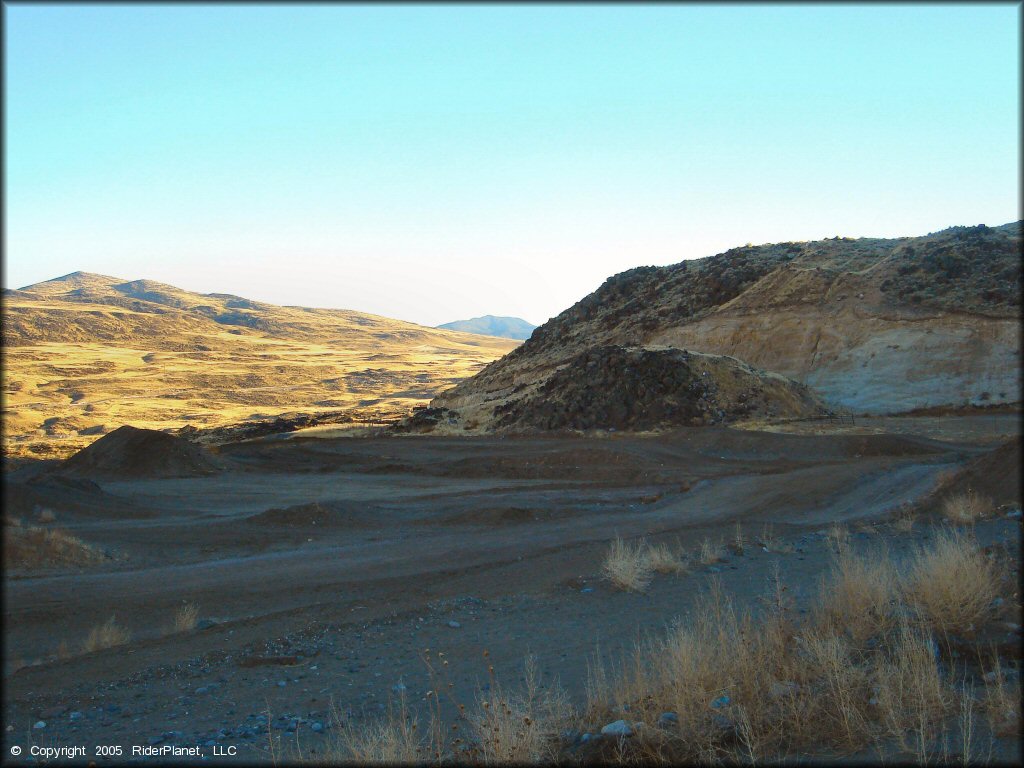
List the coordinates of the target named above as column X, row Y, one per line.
column 331, row 574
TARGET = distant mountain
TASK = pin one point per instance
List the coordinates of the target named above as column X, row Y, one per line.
column 873, row 325
column 86, row 353
column 489, row 325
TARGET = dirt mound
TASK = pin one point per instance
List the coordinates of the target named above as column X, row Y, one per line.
column 66, row 498
column 129, row 452
column 640, row 388
column 317, row 513
column 995, row 474
column 33, row 547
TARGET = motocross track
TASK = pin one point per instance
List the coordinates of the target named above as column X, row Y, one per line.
column 379, row 542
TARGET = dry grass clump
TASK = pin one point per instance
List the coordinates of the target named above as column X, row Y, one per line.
column 626, row 565
column 912, row 697
column 186, row 617
column 393, row 740
column 34, row 547
column 47, row 516
column 739, row 689
column 865, row 668
column 904, row 520
column 106, row 635
column 661, row 559
column 859, row 597
column 838, row 535
column 769, row 541
column 1001, row 702
column 950, row 585
column 503, row 728
column 710, row 552
column 739, row 543
column 966, row 508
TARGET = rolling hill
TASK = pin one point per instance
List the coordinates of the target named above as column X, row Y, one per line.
column 86, row 353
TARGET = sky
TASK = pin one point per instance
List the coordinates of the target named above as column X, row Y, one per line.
column 435, row 163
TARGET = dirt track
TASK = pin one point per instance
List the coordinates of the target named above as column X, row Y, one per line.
column 378, row 543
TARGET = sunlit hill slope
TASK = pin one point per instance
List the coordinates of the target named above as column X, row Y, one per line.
column 85, row 354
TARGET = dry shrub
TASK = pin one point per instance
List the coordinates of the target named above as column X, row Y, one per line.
column 710, row 552
column 845, row 688
column 723, row 675
column 1001, row 702
column 770, row 542
column 859, row 596
column 838, row 536
column 746, row 688
column 392, row 740
column 34, row 547
column 63, row 650
column 739, row 543
column 912, row 698
column 521, row 727
column 504, row 727
column 662, row 559
column 106, row 635
column 186, row 617
column 904, row 521
column 966, row 508
column 950, row 585
column 626, row 565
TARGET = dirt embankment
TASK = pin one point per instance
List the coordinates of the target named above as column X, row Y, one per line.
column 994, row 475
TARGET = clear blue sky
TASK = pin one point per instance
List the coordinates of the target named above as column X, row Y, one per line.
column 432, row 163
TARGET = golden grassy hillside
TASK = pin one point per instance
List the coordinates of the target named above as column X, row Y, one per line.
column 85, row 354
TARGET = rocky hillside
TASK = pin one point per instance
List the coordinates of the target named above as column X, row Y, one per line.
column 876, row 325
column 85, row 354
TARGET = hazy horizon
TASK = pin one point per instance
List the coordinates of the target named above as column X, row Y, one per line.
column 434, row 164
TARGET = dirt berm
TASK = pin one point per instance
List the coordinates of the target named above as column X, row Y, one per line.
column 129, row 452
